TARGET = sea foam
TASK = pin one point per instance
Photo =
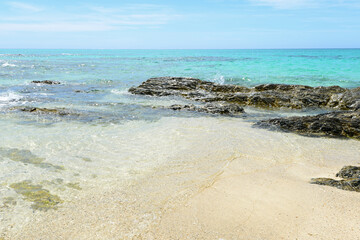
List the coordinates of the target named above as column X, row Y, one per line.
column 9, row 98
column 6, row 64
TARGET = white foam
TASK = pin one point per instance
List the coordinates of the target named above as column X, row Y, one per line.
column 120, row 92
column 6, row 64
column 9, row 98
column 68, row 54
column 220, row 79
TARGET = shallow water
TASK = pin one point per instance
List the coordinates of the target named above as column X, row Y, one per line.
column 130, row 149
column 128, row 176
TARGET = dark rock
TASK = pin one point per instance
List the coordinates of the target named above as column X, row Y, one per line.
column 348, row 184
column 268, row 96
column 213, row 108
column 350, row 181
column 60, row 112
column 349, row 172
column 335, row 124
column 178, row 107
column 263, row 96
column 49, row 82
column 164, row 86
column 89, row 91
column 346, row 100
column 222, row 108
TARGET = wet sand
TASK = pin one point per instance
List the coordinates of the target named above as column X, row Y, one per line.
column 218, row 179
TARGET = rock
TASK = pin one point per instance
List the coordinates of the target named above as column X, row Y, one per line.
column 349, row 99
column 41, row 198
column 222, row 108
column 334, row 124
column 89, row 91
column 213, row 108
column 60, row 112
column 349, row 172
column 350, row 181
column 263, row 96
column 49, row 82
column 229, row 99
column 164, row 86
column 349, row 184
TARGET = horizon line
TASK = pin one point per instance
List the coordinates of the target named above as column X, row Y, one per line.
column 315, row 48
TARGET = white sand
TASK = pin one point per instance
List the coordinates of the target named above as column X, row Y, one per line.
column 220, row 179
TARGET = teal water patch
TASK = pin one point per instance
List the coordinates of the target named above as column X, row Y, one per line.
column 124, row 68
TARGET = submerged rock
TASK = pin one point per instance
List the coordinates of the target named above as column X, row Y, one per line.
column 74, row 186
column 9, row 202
column 334, row 124
column 27, row 157
column 41, row 198
column 263, row 96
column 38, row 110
column 213, row 108
column 350, row 181
column 49, row 82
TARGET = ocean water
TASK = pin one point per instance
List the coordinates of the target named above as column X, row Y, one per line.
column 114, row 147
column 124, row 68
column 97, row 80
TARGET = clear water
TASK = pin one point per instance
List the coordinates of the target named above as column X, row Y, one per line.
column 97, row 80
column 124, row 68
column 112, row 141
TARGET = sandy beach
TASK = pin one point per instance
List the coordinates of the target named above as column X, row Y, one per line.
column 245, row 183
column 180, row 120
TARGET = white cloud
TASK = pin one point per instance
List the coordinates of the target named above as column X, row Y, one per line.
column 91, row 19
column 24, row 6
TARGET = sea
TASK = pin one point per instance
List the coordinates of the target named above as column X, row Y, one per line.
column 114, row 150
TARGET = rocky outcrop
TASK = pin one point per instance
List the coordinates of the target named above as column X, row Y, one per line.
column 229, row 99
column 334, row 124
column 213, row 108
column 350, row 181
column 48, row 82
column 263, row 96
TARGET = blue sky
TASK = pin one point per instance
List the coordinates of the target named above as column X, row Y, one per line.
column 185, row 24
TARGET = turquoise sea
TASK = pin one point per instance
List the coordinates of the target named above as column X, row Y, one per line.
column 103, row 76
column 128, row 67
column 112, row 146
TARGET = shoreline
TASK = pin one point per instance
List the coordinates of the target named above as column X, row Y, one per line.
column 254, row 184
column 206, row 173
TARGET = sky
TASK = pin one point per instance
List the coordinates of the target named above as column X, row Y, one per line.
column 185, row 24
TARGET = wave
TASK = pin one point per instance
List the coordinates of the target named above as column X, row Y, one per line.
column 219, row 79
column 11, row 55
column 9, row 98
column 7, row 64
column 120, row 92
column 69, row 54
